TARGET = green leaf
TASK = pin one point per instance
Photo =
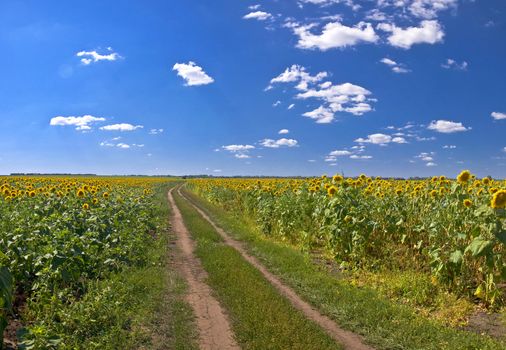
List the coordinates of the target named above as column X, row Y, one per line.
column 501, row 236
column 6, row 286
column 479, row 246
column 456, row 257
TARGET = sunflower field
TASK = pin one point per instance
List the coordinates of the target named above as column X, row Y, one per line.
column 57, row 233
column 452, row 229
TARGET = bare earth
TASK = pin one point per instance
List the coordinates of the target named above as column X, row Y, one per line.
column 214, row 328
column 348, row 339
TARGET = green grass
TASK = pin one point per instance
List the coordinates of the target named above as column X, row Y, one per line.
column 139, row 307
column 261, row 318
column 363, row 310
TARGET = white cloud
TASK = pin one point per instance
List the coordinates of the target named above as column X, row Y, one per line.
column 429, row 32
column 291, row 106
column 345, row 97
column 399, row 140
column 446, row 126
column 377, row 139
column 388, row 62
column 241, row 156
column 356, row 156
column 121, row 127
column 277, row 103
column 321, row 115
column 396, row 67
column 89, row 57
column 429, row 8
column 238, row 148
column 339, row 153
column 121, row 145
column 452, row 64
column 258, row 15
column 297, row 73
column 192, row 74
column 449, row 146
column 504, row 149
column 155, row 131
column 278, row 143
column 430, row 164
column 498, row 115
column 334, row 35
column 254, row 7
column 81, row 123
column 283, row 131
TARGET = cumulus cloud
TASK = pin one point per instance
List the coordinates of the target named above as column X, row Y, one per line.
column 121, row 127
column 321, row 115
column 283, row 131
column 429, row 8
column 355, row 153
column 498, row 115
column 82, row 123
column 297, row 73
column 340, row 153
column 427, row 157
column 452, row 64
column 283, row 142
column 192, row 74
column 344, row 97
column 258, row 15
column 334, row 35
column 88, row 57
column 238, row 148
column 429, row 32
column 381, row 139
column 446, row 126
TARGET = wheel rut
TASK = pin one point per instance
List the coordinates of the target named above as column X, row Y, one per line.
column 346, row 338
column 213, row 325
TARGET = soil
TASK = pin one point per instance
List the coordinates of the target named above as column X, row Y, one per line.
column 214, row 328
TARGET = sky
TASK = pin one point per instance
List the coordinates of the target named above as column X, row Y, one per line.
column 237, row 87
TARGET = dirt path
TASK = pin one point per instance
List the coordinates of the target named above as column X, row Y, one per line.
column 214, row 328
column 348, row 339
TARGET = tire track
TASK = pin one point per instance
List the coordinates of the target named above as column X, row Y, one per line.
column 214, row 328
column 348, row 339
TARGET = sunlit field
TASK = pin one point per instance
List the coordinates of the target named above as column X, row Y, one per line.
column 451, row 230
column 57, row 234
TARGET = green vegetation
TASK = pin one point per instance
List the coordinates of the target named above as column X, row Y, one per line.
column 361, row 309
column 86, row 261
column 261, row 318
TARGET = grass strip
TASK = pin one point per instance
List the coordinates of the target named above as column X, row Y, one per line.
column 261, row 318
column 381, row 322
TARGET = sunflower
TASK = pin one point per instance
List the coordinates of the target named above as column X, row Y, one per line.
column 467, row 203
column 80, row 193
column 105, row 195
column 464, row 176
column 331, row 191
column 499, row 199
column 86, row 206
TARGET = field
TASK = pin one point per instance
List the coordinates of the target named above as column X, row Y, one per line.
column 89, row 262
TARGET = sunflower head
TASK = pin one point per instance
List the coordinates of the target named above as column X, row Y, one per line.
column 499, row 199
column 467, row 203
column 331, row 191
column 464, row 176
column 86, row 206
column 80, row 192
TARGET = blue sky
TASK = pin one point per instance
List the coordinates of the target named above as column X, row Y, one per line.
column 383, row 87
